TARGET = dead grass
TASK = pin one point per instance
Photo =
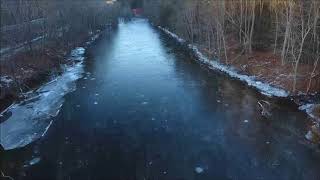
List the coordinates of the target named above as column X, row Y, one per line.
column 28, row 71
column 266, row 66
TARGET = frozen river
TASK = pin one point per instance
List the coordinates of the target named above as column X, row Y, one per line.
column 144, row 109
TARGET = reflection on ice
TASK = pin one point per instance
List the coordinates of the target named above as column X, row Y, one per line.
column 32, row 118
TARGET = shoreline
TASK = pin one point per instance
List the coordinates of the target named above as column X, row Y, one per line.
column 12, row 94
column 37, row 81
column 44, row 102
column 264, row 88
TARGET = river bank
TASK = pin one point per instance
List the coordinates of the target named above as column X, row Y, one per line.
column 26, row 71
column 309, row 103
column 37, row 38
column 44, row 100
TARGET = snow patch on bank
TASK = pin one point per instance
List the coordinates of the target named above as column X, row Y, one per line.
column 174, row 36
column 94, row 37
column 309, row 109
column 31, row 118
column 264, row 88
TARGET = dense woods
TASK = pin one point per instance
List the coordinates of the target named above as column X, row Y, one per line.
column 276, row 40
column 53, row 21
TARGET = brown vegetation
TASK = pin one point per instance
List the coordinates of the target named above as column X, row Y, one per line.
column 27, row 71
column 317, row 111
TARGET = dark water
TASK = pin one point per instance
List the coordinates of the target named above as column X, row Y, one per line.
column 148, row 111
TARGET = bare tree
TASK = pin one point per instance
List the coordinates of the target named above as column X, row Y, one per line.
column 299, row 36
column 288, row 14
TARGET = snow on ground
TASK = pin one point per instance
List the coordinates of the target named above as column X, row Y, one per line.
column 176, row 37
column 94, row 37
column 309, row 109
column 32, row 118
column 264, row 88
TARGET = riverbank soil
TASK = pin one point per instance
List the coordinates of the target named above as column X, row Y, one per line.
column 266, row 66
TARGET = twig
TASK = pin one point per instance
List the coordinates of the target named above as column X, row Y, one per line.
column 264, row 112
column 3, row 175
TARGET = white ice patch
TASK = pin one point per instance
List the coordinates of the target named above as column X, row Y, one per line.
column 34, row 161
column 144, row 103
column 199, row 170
column 309, row 136
column 172, row 35
column 32, row 118
column 264, row 88
column 309, row 108
column 93, row 38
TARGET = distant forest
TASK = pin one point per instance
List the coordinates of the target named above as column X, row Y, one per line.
column 243, row 32
column 58, row 22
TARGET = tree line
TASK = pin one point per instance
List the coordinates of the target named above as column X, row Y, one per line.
column 54, row 22
column 290, row 29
